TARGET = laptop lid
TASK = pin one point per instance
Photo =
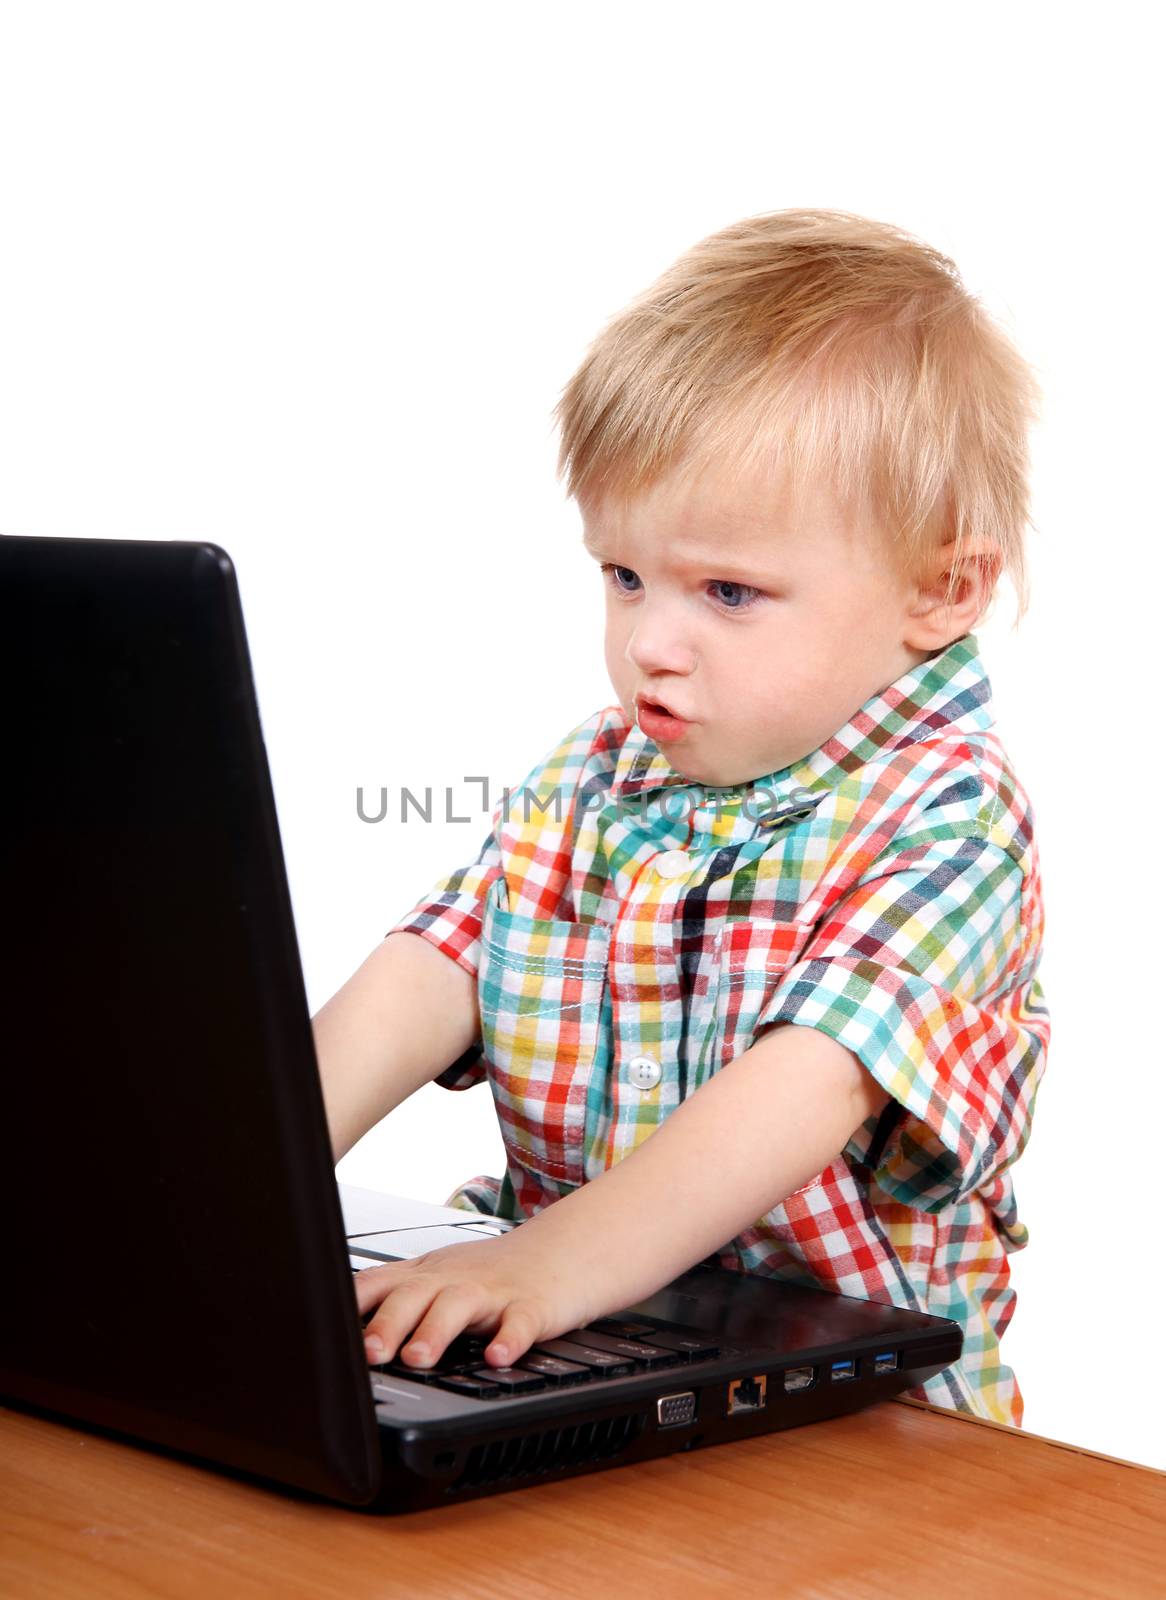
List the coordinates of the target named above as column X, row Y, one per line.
column 161, row 1087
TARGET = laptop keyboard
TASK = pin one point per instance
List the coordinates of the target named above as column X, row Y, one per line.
column 605, row 1349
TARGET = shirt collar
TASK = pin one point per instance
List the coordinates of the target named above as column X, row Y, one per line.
column 947, row 690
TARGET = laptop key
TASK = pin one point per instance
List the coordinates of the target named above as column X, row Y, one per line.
column 462, row 1349
column 644, row 1355
column 689, row 1346
column 621, row 1330
column 466, row 1383
column 399, row 1369
column 512, row 1380
column 460, row 1355
column 555, row 1369
column 602, row 1362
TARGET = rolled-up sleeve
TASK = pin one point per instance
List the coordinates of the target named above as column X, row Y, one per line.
column 449, row 916
column 926, row 971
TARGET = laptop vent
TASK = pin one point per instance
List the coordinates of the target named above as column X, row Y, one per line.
column 526, row 1453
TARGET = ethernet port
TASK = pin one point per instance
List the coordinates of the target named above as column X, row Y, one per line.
column 746, row 1394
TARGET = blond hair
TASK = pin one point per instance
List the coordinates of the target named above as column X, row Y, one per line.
column 825, row 344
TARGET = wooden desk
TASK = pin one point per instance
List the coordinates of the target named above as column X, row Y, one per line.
column 899, row 1500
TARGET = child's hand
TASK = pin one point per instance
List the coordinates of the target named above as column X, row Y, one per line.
column 512, row 1284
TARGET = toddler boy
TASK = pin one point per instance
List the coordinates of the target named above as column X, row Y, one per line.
column 749, row 961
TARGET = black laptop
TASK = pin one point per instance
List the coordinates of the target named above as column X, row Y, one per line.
column 177, row 1267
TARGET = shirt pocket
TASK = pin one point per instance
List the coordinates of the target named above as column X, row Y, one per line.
column 755, row 953
column 541, row 988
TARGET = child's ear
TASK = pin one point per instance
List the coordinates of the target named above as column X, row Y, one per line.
column 936, row 614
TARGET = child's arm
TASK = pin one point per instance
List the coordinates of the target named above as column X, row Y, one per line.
column 405, row 1015
column 752, row 1134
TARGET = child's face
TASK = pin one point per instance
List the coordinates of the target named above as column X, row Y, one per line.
column 762, row 627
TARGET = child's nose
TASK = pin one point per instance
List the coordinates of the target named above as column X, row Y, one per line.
column 657, row 644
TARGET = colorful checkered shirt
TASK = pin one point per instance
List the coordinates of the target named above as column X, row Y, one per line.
column 633, row 932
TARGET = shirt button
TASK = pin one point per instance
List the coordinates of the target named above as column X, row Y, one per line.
column 644, row 1072
column 672, row 863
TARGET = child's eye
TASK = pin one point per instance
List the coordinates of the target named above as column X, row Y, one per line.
column 623, row 578
column 734, row 596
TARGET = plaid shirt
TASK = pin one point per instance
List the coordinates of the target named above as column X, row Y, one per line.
column 633, row 932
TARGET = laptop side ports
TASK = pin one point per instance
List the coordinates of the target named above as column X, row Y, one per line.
column 675, row 1410
column 795, row 1379
column 746, row 1394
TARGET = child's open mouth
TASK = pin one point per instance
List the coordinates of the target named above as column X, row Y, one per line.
column 658, row 723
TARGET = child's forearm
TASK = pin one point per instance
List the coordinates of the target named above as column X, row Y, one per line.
column 761, row 1128
column 752, row 1134
column 405, row 1015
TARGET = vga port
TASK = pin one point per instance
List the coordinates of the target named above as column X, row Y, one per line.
column 673, row 1410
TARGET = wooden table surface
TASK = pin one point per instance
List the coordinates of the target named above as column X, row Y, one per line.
column 903, row 1499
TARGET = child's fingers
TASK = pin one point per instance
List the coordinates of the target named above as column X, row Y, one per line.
column 523, row 1321
column 410, row 1308
column 421, row 1305
column 451, row 1311
column 398, row 1314
column 373, row 1283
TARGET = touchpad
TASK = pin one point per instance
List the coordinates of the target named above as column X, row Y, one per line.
column 401, row 1244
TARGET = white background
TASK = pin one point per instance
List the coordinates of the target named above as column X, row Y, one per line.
column 306, row 280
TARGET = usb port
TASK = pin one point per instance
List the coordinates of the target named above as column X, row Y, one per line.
column 888, row 1361
column 798, row 1378
column 841, row 1371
